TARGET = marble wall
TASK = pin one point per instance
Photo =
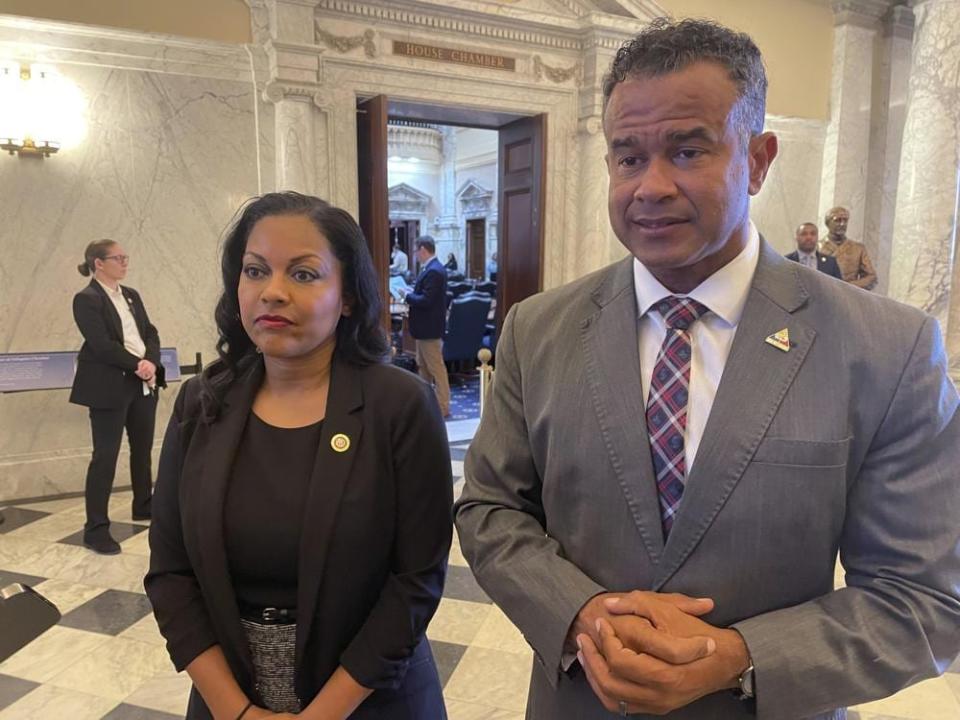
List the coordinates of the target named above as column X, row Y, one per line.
column 791, row 192
column 170, row 153
column 179, row 135
column 924, row 258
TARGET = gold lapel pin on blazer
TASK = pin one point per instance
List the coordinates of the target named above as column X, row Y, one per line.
column 780, row 340
column 340, row 443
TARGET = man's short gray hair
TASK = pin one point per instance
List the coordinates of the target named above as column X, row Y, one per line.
column 667, row 46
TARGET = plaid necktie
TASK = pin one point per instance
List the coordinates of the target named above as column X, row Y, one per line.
column 667, row 403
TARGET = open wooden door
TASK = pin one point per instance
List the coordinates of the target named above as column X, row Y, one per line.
column 520, row 247
column 374, row 206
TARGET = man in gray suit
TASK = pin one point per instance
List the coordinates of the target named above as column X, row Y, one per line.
column 677, row 446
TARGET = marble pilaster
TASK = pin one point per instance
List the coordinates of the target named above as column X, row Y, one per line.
column 791, row 191
column 846, row 148
column 598, row 245
column 925, row 233
column 890, row 82
column 446, row 228
column 295, row 141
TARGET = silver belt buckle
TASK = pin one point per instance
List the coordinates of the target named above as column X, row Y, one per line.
column 270, row 614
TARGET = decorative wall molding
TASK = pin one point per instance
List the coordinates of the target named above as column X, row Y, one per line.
column 591, row 125
column 515, row 25
column 66, row 43
column 475, row 200
column 554, row 74
column 900, row 22
column 275, row 91
column 405, row 140
column 407, row 203
column 344, row 44
column 865, row 13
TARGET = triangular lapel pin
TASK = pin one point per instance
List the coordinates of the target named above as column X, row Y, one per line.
column 780, row 340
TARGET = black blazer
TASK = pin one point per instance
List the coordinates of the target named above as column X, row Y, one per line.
column 103, row 362
column 428, row 302
column 825, row 263
column 373, row 554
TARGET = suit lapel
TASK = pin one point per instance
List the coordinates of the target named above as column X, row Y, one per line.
column 612, row 355
column 755, row 379
column 134, row 310
column 113, row 317
column 331, row 471
column 208, row 464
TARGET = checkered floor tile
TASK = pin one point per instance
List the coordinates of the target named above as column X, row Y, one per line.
column 106, row 659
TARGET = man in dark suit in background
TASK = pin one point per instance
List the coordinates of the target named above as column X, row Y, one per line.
column 807, row 254
column 428, row 319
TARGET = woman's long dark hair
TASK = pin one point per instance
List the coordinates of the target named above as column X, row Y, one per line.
column 360, row 337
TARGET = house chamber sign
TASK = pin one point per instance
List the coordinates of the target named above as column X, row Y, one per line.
column 452, row 55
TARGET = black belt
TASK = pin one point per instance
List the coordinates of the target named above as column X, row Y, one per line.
column 269, row 615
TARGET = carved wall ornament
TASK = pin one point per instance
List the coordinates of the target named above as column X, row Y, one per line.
column 406, row 202
column 476, row 200
column 466, row 24
column 555, row 74
column 275, row 91
column 591, row 125
column 345, row 43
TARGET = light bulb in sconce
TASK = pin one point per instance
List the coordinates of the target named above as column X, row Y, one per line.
column 40, row 110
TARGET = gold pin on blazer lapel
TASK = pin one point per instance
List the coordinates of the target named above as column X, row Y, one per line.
column 331, row 472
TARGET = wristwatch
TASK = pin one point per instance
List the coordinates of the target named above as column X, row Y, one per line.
column 747, row 689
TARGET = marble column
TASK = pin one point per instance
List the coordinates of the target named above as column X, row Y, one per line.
column 447, row 226
column 295, row 140
column 925, row 225
column 890, row 84
column 847, row 146
column 286, row 30
column 596, row 244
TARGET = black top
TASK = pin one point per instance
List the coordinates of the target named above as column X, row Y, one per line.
column 263, row 512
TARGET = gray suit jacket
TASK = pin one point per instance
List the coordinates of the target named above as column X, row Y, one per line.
column 849, row 441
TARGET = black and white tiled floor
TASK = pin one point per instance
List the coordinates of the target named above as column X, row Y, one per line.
column 105, row 659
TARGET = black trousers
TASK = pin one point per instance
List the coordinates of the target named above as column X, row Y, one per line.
column 138, row 416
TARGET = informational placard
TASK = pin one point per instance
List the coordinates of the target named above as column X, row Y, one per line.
column 171, row 365
column 20, row 372
column 37, row 371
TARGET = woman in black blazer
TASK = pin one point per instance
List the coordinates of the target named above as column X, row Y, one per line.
column 118, row 373
column 302, row 515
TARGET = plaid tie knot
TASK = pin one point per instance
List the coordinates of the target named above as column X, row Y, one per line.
column 679, row 313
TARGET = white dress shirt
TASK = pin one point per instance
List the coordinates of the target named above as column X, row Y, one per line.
column 711, row 336
column 132, row 341
column 400, row 263
column 808, row 258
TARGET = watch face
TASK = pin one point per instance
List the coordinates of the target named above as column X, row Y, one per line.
column 746, row 682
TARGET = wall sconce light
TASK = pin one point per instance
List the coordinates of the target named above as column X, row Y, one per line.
column 39, row 109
